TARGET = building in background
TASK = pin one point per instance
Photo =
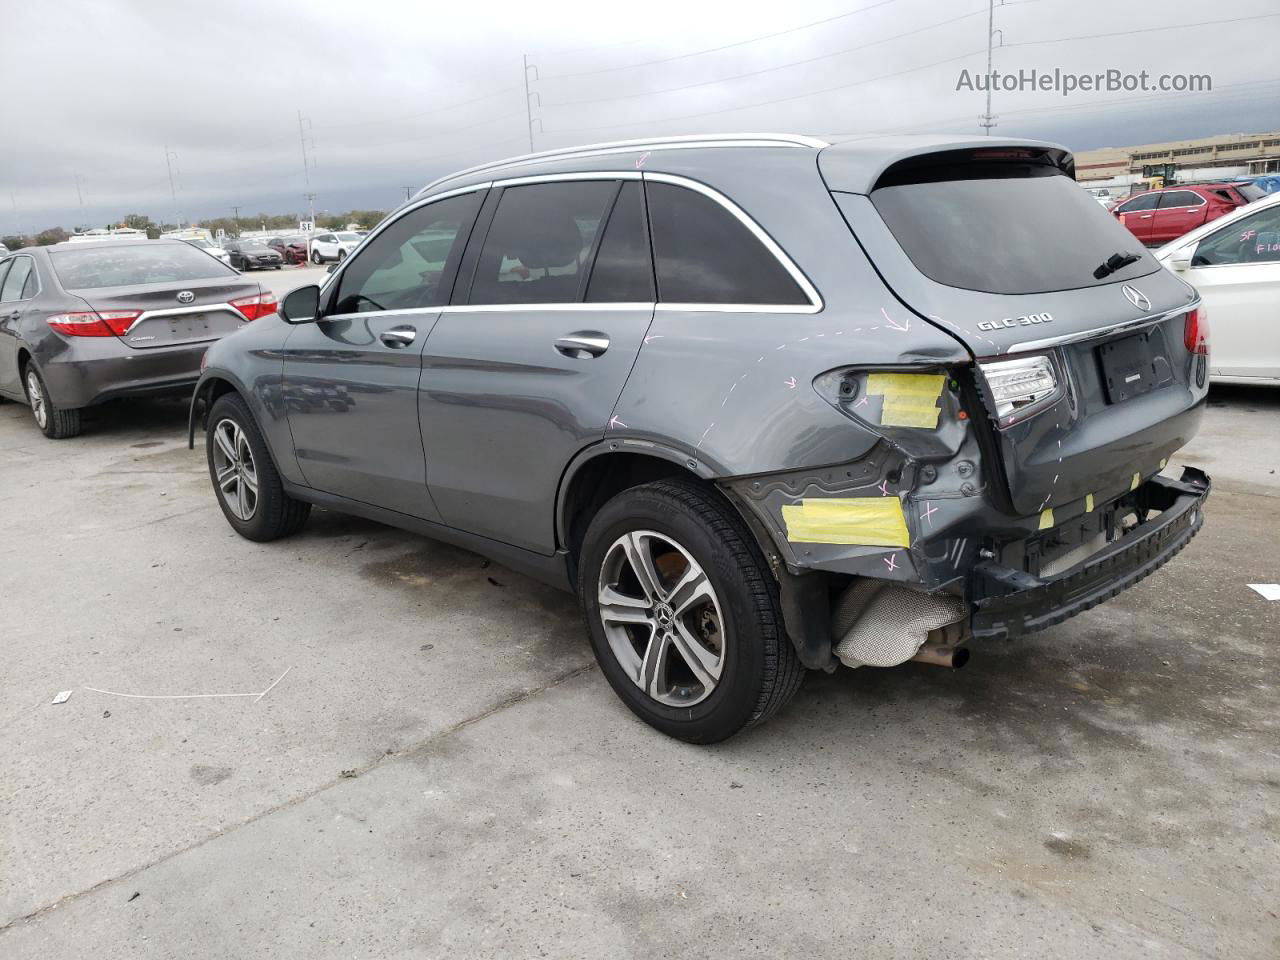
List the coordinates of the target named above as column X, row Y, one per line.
column 1124, row 170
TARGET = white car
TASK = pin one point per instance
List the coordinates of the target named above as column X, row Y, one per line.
column 333, row 246
column 1234, row 262
column 210, row 248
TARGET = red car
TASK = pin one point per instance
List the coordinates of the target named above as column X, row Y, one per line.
column 1158, row 216
column 295, row 250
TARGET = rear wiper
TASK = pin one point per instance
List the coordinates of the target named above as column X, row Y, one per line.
column 1113, row 263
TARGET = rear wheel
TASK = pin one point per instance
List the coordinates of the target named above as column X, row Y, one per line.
column 245, row 480
column 316, row 258
column 54, row 422
column 342, row 255
column 683, row 614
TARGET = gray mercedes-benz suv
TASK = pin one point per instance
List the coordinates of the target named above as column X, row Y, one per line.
column 766, row 403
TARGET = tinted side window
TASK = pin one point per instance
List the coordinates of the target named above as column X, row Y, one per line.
column 1145, row 202
column 412, row 262
column 539, row 242
column 623, row 271
column 1254, row 239
column 16, row 279
column 704, row 254
column 1180, row 198
column 4, row 270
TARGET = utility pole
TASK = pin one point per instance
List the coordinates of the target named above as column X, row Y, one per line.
column 988, row 119
column 80, row 196
column 235, row 212
column 528, row 99
column 13, row 199
column 311, row 207
column 170, row 158
column 308, row 161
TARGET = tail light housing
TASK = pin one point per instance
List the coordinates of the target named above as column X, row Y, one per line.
column 1022, row 387
column 254, row 307
column 1195, row 331
column 92, row 323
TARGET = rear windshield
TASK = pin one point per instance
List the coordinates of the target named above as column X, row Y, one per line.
column 1006, row 228
column 1250, row 191
column 126, row 265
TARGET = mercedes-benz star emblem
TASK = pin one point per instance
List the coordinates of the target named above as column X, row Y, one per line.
column 186, row 296
column 1136, row 297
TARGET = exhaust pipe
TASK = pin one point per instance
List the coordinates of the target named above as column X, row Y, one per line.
column 943, row 655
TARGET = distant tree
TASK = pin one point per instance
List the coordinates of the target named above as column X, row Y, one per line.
column 53, row 235
column 137, row 221
column 15, row 242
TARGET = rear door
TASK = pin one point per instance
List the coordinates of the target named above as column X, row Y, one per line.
column 525, row 369
column 1138, row 215
column 351, row 378
column 1237, row 271
column 1178, row 212
column 18, row 284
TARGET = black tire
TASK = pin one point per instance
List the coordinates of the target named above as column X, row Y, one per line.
column 342, row 255
column 59, row 423
column 759, row 670
column 275, row 513
column 316, row 258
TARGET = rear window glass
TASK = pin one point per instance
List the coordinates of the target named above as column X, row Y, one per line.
column 121, row 266
column 1250, row 192
column 1180, row 198
column 1008, row 228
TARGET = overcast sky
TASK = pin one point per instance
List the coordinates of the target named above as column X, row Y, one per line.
column 396, row 92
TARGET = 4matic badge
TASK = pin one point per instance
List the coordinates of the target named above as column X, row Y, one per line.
column 1028, row 320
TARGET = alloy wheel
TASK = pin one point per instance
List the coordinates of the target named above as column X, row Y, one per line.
column 661, row 618
column 39, row 407
column 234, row 469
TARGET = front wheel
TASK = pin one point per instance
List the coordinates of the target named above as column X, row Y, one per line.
column 342, row 255
column 54, row 422
column 245, row 480
column 316, row 258
column 683, row 615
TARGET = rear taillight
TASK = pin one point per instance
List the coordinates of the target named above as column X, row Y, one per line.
column 1195, row 331
column 255, row 307
column 112, row 323
column 1020, row 388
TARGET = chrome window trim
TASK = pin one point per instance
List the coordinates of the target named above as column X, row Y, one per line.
column 810, row 291
column 815, row 304
column 178, row 311
column 682, row 142
column 1106, row 331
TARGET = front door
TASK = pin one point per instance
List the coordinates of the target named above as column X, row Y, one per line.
column 351, row 377
column 1179, row 212
column 525, row 372
column 1237, row 271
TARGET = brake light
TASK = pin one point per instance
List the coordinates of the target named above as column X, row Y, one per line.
column 1195, row 331
column 1020, row 388
column 93, row 324
column 254, row 307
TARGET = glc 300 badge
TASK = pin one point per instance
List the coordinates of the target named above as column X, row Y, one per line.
column 1028, row 320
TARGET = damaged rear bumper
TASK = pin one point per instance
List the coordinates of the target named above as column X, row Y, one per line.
column 1010, row 603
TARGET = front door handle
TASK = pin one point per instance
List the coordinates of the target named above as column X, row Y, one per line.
column 398, row 336
column 583, row 344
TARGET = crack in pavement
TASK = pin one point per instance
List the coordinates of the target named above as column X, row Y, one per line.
column 504, row 703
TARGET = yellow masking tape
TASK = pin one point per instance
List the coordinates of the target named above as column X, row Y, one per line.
column 1088, row 503
column 910, row 399
column 1137, row 479
column 865, row 521
column 1046, row 519
column 1164, row 462
column 910, row 412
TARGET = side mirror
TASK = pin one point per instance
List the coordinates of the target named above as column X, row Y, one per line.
column 1180, row 262
column 301, row 305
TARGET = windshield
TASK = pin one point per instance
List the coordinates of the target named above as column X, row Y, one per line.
column 202, row 244
column 1007, row 228
column 127, row 265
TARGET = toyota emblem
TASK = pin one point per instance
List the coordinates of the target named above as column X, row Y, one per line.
column 186, row 296
column 1136, row 297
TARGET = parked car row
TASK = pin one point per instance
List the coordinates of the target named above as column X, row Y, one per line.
column 1157, row 216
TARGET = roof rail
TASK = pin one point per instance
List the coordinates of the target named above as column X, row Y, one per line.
column 685, row 142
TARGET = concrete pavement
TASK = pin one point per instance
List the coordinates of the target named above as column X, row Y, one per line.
column 443, row 772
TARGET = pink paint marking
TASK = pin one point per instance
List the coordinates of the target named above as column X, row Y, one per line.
column 893, row 324
column 614, row 423
column 653, row 336
column 929, row 511
column 891, row 561
column 884, row 488
column 641, row 159
column 790, row 383
column 861, row 402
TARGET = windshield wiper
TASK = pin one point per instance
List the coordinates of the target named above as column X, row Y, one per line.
column 1116, row 261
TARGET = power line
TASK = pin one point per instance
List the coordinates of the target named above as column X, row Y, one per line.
column 782, row 66
column 1129, row 33
column 727, row 46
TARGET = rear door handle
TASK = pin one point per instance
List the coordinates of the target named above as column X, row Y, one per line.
column 583, row 344
column 398, row 336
